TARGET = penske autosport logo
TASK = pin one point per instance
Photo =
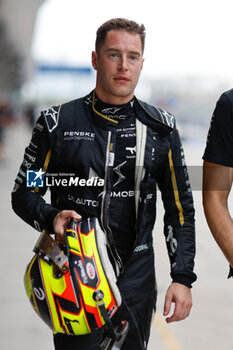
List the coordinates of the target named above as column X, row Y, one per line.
column 79, row 135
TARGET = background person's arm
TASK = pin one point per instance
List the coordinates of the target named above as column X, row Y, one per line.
column 217, row 182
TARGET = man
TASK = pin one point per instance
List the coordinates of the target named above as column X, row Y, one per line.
column 133, row 147
column 218, row 174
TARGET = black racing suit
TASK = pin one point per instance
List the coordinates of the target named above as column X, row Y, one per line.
column 75, row 138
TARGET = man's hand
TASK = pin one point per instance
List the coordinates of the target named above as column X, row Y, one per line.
column 61, row 221
column 180, row 295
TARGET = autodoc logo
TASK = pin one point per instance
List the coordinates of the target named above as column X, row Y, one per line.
column 35, row 178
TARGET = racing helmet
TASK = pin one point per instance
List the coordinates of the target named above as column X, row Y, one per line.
column 73, row 290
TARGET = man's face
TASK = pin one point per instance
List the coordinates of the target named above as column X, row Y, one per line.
column 118, row 65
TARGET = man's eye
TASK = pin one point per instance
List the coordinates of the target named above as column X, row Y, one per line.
column 132, row 58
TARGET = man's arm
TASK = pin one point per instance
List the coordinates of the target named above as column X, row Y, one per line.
column 217, row 182
column 179, row 230
column 28, row 202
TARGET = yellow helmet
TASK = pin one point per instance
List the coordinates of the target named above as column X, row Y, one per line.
column 73, row 291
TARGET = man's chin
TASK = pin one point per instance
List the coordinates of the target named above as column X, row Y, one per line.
column 123, row 92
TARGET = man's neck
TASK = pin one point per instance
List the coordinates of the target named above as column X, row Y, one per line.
column 112, row 99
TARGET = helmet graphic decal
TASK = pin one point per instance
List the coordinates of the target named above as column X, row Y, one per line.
column 61, row 284
column 90, row 271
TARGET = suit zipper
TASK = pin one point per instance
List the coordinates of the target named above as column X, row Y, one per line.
column 106, row 203
column 141, row 137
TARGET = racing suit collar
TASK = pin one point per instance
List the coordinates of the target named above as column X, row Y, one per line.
column 114, row 112
column 104, row 120
column 158, row 120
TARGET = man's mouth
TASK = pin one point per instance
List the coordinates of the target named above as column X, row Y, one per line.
column 121, row 78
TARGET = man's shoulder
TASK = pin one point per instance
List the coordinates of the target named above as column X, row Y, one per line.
column 78, row 102
column 155, row 116
column 64, row 112
column 51, row 117
column 227, row 96
column 224, row 108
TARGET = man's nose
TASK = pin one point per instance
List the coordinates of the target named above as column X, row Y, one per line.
column 123, row 64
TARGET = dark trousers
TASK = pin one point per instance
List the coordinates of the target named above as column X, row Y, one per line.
column 82, row 342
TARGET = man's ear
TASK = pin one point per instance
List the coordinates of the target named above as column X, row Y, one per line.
column 94, row 59
column 142, row 63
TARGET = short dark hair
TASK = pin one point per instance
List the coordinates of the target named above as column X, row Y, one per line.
column 120, row 24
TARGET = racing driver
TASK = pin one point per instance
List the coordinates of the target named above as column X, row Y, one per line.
column 133, row 147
